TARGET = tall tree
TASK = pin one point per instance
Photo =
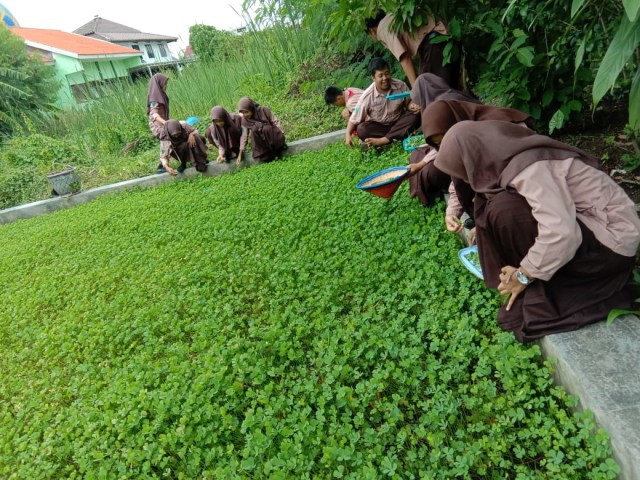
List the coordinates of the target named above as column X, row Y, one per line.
column 27, row 85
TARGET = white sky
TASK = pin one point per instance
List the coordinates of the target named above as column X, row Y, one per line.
column 161, row 17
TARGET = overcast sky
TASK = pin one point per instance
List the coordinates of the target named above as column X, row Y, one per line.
column 144, row 15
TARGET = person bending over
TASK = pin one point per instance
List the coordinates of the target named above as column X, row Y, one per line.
column 224, row 133
column 562, row 254
column 187, row 145
column 407, row 46
column 264, row 129
column 347, row 98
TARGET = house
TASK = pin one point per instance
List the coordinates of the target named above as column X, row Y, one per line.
column 154, row 48
column 81, row 64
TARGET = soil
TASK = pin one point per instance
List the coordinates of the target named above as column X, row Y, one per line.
column 603, row 135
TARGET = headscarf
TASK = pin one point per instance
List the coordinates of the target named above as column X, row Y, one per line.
column 441, row 115
column 429, row 87
column 174, row 127
column 156, row 92
column 232, row 130
column 259, row 116
column 491, row 153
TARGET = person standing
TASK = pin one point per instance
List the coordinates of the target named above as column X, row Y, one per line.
column 407, row 46
column 377, row 119
column 158, row 114
column 263, row 128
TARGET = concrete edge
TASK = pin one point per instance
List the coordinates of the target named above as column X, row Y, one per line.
column 43, row 207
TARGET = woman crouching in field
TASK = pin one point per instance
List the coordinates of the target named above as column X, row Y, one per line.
column 267, row 135
column 225, row 133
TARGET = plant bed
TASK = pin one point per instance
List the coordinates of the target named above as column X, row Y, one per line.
column 293, row 328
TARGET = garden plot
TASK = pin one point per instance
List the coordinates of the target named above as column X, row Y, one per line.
column 272, row 323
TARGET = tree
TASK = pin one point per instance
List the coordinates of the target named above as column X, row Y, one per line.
column 209, row 43
column 27, row 85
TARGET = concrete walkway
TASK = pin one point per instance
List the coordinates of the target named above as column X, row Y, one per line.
column 600, row 364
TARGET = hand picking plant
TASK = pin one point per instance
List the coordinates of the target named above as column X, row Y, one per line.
column 283, row 325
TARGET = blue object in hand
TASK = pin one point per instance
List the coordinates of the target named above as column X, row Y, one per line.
column 397, row 96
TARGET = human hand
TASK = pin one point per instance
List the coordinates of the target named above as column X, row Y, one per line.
column 191, row 141
column 348, row 140
column 509, row 284
column 220, row 158
column 471, row 238
column 413, row 108
column 453, row 223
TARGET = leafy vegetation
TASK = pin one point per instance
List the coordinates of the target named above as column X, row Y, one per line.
column 27, row 86
column 272, row 323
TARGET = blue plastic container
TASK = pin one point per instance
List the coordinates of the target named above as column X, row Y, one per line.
column 397, row 96
column 464, row 257
column 192, row 120
column 406, row 141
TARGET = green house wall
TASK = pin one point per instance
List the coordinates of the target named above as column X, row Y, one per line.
column 73, row 73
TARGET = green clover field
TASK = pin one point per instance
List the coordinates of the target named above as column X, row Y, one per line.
column 274, row 323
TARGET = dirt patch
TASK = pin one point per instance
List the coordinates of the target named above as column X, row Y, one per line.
column 603, row 135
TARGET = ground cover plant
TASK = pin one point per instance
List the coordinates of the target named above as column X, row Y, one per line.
column 272, row 323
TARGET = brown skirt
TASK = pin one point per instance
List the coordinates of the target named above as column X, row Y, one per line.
column 429, row 183
column 583, row 291
column 267, row 142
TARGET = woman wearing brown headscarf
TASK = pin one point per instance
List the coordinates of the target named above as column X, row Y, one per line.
column 158, row 113
column 440, row 116
column 267, row 135
column 426, row 182
column 562, row 253
column 225, row 133
column 187, row 145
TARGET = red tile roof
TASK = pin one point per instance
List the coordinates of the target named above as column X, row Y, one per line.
column 71, row 43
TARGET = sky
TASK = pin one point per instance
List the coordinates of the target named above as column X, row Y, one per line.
column 144, row 15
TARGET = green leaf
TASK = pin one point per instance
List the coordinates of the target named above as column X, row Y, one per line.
column 615, row 313
column 631, row 8
column 579, row 55
column 557, row 121
column 634, row 103
column 575, row 6
column 547, row 97
column 525, row 56
column 622, row 47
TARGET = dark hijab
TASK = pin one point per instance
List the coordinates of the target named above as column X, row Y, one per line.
column 441, row 115
column 230, row 134
column 260, row 114
column 157, row 94
column 491, row 153
column 429, row 87
column 174, row 132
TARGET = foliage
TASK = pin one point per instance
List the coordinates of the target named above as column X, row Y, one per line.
column 623, row 46
column 212, row 44
column 524, row 54
column 27, row 85
column 283, row 325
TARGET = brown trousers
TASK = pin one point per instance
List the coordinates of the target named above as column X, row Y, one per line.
column 429, row 183
column 393, row 131
column 583, row 291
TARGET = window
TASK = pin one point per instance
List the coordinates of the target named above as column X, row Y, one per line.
column 163, row 51
column 149, row 50
column 135, row 46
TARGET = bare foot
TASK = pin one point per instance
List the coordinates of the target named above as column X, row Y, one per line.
column 377, row 142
